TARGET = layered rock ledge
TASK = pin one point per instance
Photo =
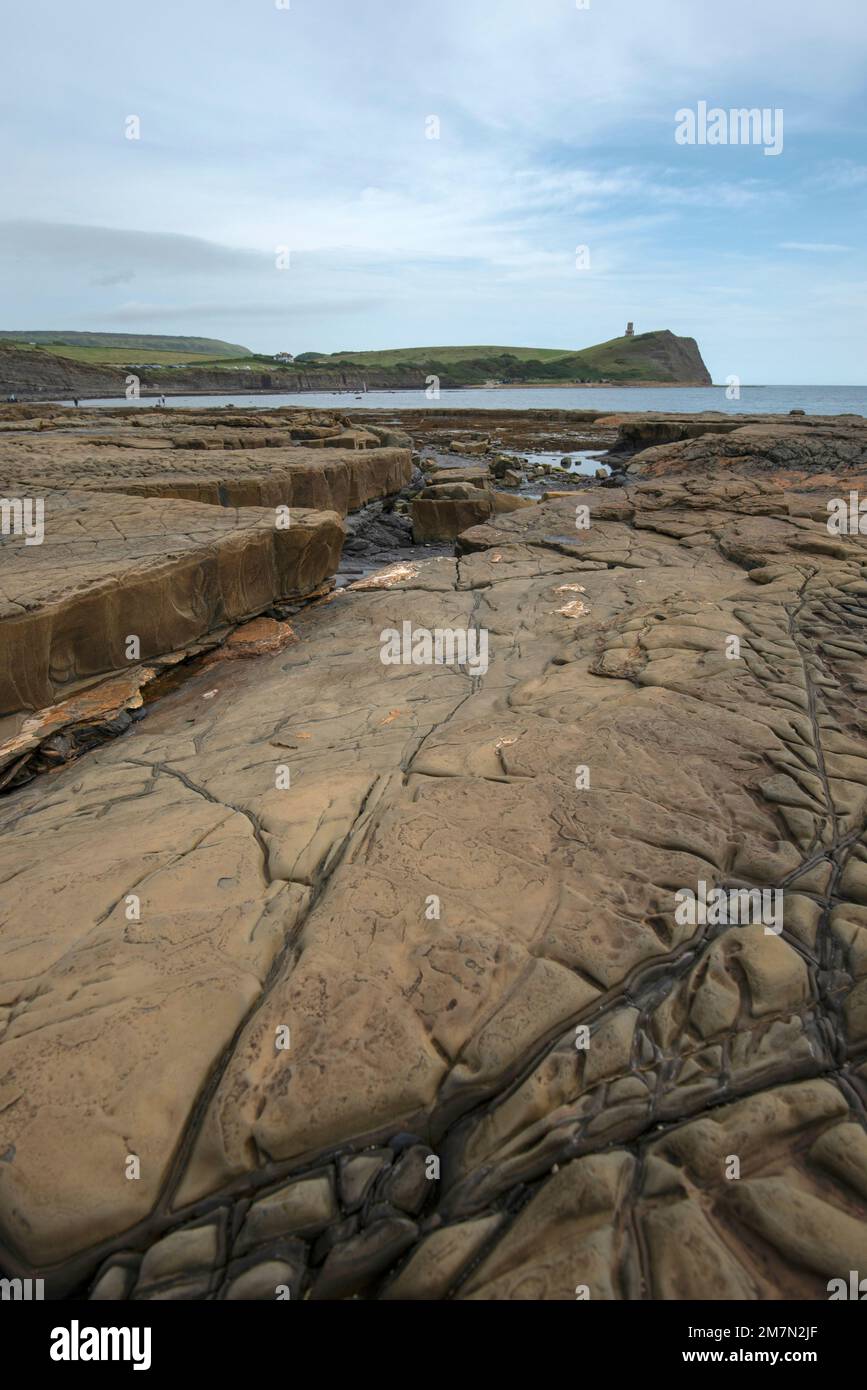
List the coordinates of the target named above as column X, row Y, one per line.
column 120, row 579
column 159, row 531
column 338, row 480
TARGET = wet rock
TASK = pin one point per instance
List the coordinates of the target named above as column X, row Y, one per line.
column 357, row 1176
column 194, row 1247
column 336, row 1235
column 115, row 1282
column 301, row 1208
column 440, row 1258
column 354, row 1265
column 406, row 1185
column 565, row 1238
column 270, row 1275
column 262, row 1283
column 181, row 1265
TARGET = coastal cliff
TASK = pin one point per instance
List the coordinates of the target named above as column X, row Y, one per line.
column 646, row 359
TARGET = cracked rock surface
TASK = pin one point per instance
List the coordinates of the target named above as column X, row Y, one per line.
column 421, row 1019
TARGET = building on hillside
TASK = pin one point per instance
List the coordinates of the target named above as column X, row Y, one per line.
column 283, row 357
column 630, row 329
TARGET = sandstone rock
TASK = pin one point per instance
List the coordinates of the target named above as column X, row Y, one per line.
column 406, row 1185
column 586, row 1061
column 193, row 1250
column 302, row 1208
column 275, row 1276
column 165, row 572
column 357, row 1176
column 354, row 1265
column 563, row 1241
column 440, row 1258
column 442, row 519
column 450, row 491
column 505, row 502
column 337, row 479
column 114, row 1283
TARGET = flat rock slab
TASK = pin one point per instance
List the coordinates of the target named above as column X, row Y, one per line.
column 438, row 517
column 113, row 567
column 396, row 946
column 818, row 447
column 331, row 479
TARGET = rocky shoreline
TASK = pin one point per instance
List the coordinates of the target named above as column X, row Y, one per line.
column 323, row 977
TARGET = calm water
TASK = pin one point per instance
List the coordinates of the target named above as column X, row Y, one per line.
column 754, row 400
column 585, row 461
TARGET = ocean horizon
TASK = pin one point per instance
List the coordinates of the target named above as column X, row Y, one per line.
column 753, row 400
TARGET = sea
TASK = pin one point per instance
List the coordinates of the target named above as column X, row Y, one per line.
column 753, row 400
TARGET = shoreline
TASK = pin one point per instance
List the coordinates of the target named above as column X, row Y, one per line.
column 34, row 397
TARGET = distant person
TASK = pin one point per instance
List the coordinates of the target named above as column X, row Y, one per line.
column 75, row 402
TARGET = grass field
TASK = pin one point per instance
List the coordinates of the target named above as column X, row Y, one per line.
column 130, row 357
column 643, row 357
column 126, row 349
column 395, row 357
column 646, row 357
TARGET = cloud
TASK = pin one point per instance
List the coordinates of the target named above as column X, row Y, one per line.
column 819, row 247
column 137, row 312
column 120, row 277
column 307, row 128
column 128, row 252
column 841, row 175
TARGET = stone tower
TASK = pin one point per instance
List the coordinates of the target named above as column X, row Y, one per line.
column 630, row 329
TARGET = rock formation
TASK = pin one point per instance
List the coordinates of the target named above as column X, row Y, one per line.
column 658, row 357
column 375, row 976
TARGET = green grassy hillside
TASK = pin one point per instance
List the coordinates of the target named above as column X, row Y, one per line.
column 395, row 357
column 166, row 363
column 658, row 356
column 121, row 349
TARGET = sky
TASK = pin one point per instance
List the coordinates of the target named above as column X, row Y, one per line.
column 351, row 174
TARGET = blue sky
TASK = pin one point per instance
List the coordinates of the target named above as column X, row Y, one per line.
column 306, row 127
